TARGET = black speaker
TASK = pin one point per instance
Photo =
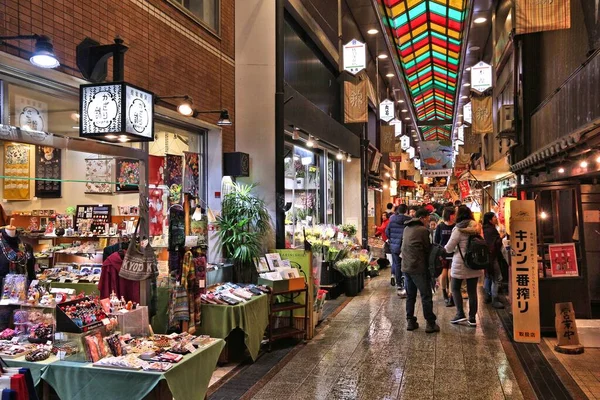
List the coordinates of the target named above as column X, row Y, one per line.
column 236, row 164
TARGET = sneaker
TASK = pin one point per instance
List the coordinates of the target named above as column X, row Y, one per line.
column 402, row 293
column 458, row 318
column 487, row 299
column 472, row 322
column 450, row 302
column 497, row 304
column 393, row 281
column 412, row 324
column 432, row 327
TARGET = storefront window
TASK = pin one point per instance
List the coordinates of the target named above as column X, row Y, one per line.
column 302, row 190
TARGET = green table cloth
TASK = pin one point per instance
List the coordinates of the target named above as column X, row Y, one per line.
column 36, row 368
column 187, row 380
column 86, row 287
column 251, row 317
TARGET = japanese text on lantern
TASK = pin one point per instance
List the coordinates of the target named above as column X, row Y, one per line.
column 524, row 287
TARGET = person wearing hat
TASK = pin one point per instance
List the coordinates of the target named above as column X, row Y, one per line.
column 416, row 247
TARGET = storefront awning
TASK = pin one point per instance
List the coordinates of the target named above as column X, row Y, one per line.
column 406, row 183
column 497, row 171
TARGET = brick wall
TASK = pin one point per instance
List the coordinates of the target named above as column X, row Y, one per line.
column 169, row 53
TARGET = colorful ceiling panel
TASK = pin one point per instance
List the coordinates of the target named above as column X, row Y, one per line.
column 428, row 38
column 441, row 132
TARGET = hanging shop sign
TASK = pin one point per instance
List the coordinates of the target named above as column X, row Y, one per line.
column 397, row 124
column 524, row 268
column 387, row 139
column 405, row 163
column 481, row 77
column 355, row 56
column 465, row 189
column 544, row 15
column 116, row 112
column 436, row 154
column 467, row 113
column 30, row 114
column 395, row 157
column 430, row 173
column 404, row 142
column 460, row 133
column 563, row 260
column 355, row 102
column 386, row 110
column 411, row 152
column 417, row 163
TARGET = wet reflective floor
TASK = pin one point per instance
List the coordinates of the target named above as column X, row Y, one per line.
column 365, row 352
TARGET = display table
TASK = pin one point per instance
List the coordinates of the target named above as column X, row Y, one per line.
column 36, row 368
column 85, row 287
column 187, row 380
column 251, row 317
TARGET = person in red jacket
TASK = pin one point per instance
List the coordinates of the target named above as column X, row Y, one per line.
column 380, row 230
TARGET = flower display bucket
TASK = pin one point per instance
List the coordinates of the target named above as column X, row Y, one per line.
column 351, row 286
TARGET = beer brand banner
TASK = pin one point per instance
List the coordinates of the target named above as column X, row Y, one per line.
column 472, row 142
column 542, row 15
column 465, row 188
column 396, row 157
column 355, row 102
column 459, row 169
column 387, row 137
column 482, row 116
column 524, row 268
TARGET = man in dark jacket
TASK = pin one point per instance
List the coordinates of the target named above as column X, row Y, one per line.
column 493, row 277
column 394, row 232
column 416, row 247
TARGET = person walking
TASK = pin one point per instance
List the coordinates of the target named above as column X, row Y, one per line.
column 466, row 226
column 394, row 231
column 442, row 235
column 416, row 247
column 493, row 276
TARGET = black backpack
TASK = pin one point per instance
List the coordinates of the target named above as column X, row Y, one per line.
column 477, row 254
column 436, row 256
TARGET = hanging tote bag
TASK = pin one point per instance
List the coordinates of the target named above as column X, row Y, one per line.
column 139, row 264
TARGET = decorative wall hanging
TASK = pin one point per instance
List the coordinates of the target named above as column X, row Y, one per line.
column 99, row 175
column 387, row 136
column 156, row 166
column 128, row 175
column 47, row 166
column 355, row 102
column 482, row 115
column 16, row 164
column 31, row 115
column 156, row 211
column 174, row 178
column 536, row 16
column 191, row 176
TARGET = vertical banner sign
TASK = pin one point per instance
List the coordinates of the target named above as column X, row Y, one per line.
column 472, row 142
column 47, row 167
column 481, row 77
column 467, row 113
column 355, row 102
column 524, row 285
column 482, row 115
column 397, row 124
column 465, row 188
column 537, row 16
column 16, row 164
column 405, row 162
column 387, row 139
column 386, row 110
column 411, row 152
column 404, row 142
column 355, row 56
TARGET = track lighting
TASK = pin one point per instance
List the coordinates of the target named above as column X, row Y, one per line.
column 340, row 155
column 310, row 142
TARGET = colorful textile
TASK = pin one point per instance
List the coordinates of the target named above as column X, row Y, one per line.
column 174, row 178
column 536, row 16
column 47, row 166
column 128, row 175
column 156, row 211
column 191, row 177
column 156, row 167
column 16, row 164
column 98, row 174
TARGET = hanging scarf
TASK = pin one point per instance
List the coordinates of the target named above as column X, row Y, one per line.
column 17, row 258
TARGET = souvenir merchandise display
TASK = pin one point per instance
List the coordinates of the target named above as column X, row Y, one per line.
column 16, row 257
column 233, row 294
column 188, row 286
column 93, row 219
column 80, row 315
column 72, row 272
column 14, row 290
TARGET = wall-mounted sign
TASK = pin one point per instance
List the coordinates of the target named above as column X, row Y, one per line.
column 460, row 133
column 468, row 113
column 417, row 163
column 116, row 112
column 481, row 77
column 30, row 114
column 386, row 110
column 355, row 56
column 436, row 172
column 397, row 124
column 563, row 260
column 404, row 142
column 411, row 152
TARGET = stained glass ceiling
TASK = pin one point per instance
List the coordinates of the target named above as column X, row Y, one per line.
column 428, row 38
column 436, row 132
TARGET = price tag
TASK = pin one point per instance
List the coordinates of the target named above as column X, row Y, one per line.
column 90, row 278
column 75, row 281
column 62, row 280
column 190, row 347
column 106, row 321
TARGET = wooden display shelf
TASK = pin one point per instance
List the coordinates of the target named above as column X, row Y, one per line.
column 287, row 306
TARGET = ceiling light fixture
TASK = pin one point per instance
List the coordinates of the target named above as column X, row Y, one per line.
column 598, row 159
column 400, row 101
column 464, row 97
column 474, row 48
column 382, row 56
column 468, row 69
column 480, row 20
column 407, row 118
column 466, row 84
column 43, row 53
column 583, row 164
column 390, row 75
column 561, row 170
column 348, row 158
column 404, row 110
column 340, row 155
column 372, row 31
column 543, row 215
column 309, row 142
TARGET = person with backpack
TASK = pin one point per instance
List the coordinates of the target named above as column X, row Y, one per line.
column 394, row 232
column 416, row 248
column 465, row 262
column 442, row 235
column 493, row 275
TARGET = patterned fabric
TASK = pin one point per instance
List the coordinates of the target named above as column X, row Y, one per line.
column 174, row 178
column 98, row 174
column 355, row 102
column 16, row 164
column 191, row 177
column 542, row 15
column 128, row 175
column 482, row 115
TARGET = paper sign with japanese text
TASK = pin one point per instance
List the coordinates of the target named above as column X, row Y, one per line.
column 524, row 285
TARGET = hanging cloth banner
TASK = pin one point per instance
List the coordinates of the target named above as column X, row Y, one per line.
column 16, row 164
column 536, row 16
column 482, row 115
column 396, row 157
column 387, row 137
column 47, row 166
column 465, row 188
column 472, row 142
column 405, row 162
column 524, row 268
column 191, row 175
column 355, row 102
column 174, row 178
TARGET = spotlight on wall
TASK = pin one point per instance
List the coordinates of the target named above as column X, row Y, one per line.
column 43, row 53
column 185, row 108
column 543, row 215
column 310, row 142
column 561, row 170
column 583, row 164
column 348, row 158
column 340, row 155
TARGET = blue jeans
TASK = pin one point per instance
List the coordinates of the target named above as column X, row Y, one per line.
column 491, row 282
column 422, row 283
column 397, row 268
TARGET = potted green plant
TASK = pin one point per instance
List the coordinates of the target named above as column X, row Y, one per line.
column 244, row 230
column 350, row 268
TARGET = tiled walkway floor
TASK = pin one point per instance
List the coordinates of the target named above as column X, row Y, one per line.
column 365, row 352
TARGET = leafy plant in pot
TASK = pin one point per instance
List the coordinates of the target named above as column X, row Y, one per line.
column 244, row 230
